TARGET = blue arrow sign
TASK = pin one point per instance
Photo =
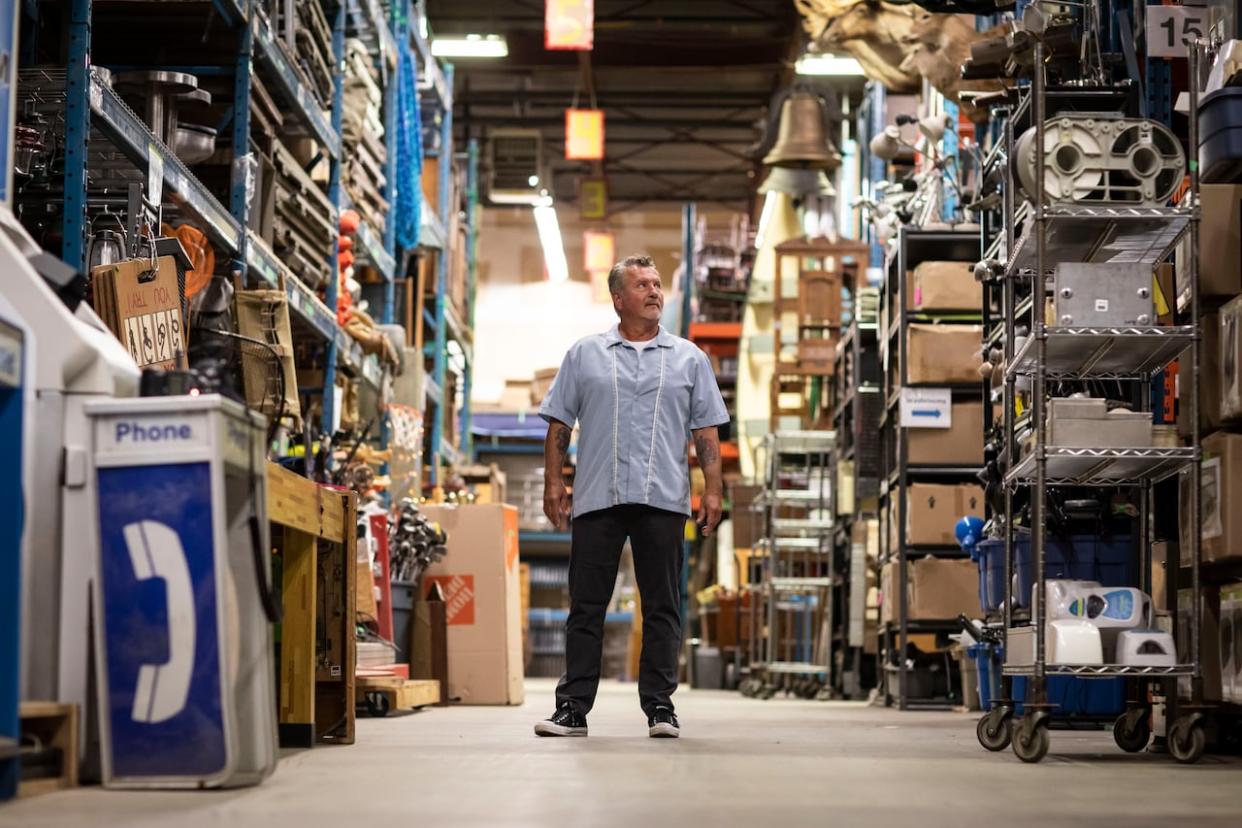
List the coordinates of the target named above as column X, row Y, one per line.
column 926, row 412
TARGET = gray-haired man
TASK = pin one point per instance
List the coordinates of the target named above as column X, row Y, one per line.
column 638, row 394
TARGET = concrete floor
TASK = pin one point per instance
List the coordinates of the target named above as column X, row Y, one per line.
column 739, row 762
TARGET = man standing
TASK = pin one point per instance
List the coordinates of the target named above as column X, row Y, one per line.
column 638, row 394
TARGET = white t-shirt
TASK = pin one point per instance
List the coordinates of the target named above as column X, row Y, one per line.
column 642, row 346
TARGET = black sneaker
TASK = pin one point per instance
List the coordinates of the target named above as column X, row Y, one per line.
column 564, row 722
column 662, row 724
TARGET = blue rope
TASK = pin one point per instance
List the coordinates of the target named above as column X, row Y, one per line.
column 409, row 148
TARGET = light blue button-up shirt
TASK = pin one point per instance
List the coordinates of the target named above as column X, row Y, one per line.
column 635, row 410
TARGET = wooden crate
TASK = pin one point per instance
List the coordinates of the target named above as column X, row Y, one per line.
column 53, row 725
column 397, row 693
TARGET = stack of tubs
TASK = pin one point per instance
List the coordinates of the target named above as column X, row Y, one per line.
column 1110, row 560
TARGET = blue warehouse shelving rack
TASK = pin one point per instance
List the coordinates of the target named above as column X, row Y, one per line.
column 242, row 55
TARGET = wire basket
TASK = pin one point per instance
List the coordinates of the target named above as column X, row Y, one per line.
column 247, row 369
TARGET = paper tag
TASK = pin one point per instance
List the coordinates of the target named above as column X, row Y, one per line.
column 926, row 408
column 1101, row 306
column 10, row 356
column 1169, row 27
column 1209, row 485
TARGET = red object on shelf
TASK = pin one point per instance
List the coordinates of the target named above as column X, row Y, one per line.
column 715, row 330
column 379, row 531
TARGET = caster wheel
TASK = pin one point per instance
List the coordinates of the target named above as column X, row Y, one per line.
column 995, row 732
column 377, row 705
column 1030, row 742
column 1130, row 735
column 1187, row 741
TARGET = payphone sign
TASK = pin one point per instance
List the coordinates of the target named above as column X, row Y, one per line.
column 157, row 580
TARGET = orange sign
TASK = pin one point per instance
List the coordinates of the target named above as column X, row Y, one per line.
column 569, row 24
column 584, row 134
column 599, row 251
column 592, row 198
column 458, row 597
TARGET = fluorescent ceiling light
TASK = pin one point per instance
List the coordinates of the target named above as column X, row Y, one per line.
column 470, row 46
column 549, row 230
column 830, row 65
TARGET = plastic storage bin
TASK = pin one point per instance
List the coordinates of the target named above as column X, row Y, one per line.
column 1109, row 560
column 1220, row 136
column 1075, row 698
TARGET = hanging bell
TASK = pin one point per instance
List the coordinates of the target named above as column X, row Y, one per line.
column 797, row 183
column 801, row 140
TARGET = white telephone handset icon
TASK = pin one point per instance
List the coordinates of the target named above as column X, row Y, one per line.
column 155, row 551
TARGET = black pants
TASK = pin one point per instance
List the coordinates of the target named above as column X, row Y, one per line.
column 656, row 542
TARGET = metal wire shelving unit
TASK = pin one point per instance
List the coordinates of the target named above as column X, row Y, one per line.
column 1056, row 234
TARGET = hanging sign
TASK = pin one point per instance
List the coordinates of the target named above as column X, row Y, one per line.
column 584, row 134
column 592, row 199
column 1169, row 27
column 569, row 24
column 599, row 251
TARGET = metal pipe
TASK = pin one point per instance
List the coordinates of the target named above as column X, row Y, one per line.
column 1008, row 399
column 688, row 222
column 1038, row 495
column 1196, row 500
column 440, row 357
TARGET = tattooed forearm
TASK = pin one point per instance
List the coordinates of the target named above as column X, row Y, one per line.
column 706, row 449
column 556, row 451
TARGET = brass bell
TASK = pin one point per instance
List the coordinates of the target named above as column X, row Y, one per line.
column 797, row 183
column 801, row 140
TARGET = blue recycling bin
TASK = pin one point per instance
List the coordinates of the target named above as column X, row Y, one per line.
column 1074, row 698
column 184, row 664
column 12, row 398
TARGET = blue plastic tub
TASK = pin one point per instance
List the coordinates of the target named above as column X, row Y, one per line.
column 1075, row 698
column 1108, row 560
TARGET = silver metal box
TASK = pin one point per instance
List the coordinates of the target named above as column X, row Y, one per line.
column 1103, row 295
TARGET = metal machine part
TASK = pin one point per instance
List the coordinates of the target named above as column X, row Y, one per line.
column 1103, row 295
column 1102, row 158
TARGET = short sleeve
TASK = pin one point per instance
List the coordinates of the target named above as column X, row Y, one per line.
column 707, row 407
column 562, row 400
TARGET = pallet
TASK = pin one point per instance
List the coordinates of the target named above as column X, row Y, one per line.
column 52, row 725
column 384, row 694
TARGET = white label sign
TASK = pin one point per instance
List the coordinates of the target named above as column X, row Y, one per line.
column 926, row 408
column 1169, row 27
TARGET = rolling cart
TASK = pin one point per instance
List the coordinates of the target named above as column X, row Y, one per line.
column 792, row 645
column 1054, row 352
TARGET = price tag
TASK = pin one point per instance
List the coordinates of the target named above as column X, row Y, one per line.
column 155, row 173
column 1169, row 27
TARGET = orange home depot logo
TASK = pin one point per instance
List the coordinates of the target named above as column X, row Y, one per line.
column 458, row 597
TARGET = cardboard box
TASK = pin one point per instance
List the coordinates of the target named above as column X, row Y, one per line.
column 1209, row 641
column 946, row 286
column 1160, row 575
column 1220, row 241
column 933, row 510
column 943, row 353
column 482, row 593
column 819, row 355
column 959, row 445
column 1221, row 480
column 542, row 384
column 937, row 589
column 1210, row 380
column 1225, row 379
column 747, row 524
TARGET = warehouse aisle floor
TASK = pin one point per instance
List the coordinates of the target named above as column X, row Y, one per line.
column 740, row 762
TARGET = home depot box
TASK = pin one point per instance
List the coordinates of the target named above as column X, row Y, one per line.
column 1221, row 491
column 933, row 510
column 482, row 594
column 961, row 444
column 937, row 589
column 943, row 353
column 1231, row 642
column 1225, row 379
column 1209, row 640
column 946, row 286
